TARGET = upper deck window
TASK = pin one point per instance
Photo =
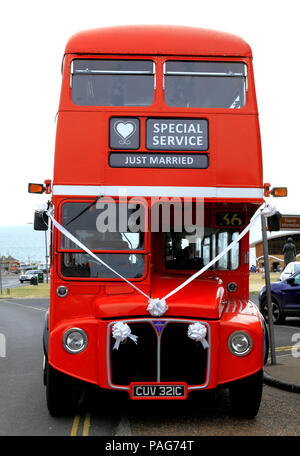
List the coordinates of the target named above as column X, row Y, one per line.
column 205, row 84
column 112, row 82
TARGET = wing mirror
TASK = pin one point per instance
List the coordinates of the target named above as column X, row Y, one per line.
column 291, row 280
column 40, row 221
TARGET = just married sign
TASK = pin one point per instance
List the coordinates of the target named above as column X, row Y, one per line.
column 158, row 160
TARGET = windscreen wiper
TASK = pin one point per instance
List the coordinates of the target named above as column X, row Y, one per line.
column 84, row 210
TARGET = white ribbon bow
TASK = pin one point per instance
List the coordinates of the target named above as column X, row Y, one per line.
column 157, row 307
column 197, row 332
column 120, row 332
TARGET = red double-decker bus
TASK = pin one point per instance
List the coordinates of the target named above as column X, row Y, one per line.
column 154, row 124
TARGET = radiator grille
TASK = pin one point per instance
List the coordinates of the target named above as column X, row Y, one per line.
column 182, row 359
column 135, row 362
column 166, row 356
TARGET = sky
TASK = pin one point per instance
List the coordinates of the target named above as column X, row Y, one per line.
column 33, row 35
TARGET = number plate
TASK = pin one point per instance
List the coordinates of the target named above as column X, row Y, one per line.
column 158, row 391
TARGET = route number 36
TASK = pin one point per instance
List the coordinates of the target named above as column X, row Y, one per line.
column 230, row 219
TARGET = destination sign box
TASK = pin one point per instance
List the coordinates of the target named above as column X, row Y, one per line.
column 158, row 160
column 177, row 134
column 230, row 219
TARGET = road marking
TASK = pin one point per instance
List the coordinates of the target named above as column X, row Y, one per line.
column 75, row 425
column 86, row 424
column 77, row 418
column 287, row 348
column 23, row 305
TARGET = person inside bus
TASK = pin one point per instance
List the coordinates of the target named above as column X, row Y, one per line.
column 187, row 260
column 107, row 241
column 125, row 264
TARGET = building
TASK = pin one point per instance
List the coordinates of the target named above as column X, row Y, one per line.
column 276, row 241
column 9, row 264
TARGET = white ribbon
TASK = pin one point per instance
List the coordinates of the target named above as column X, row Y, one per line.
column 157, row 307
column 266, row 211
column 83, row 247
column 197, row 332
column 120, row 332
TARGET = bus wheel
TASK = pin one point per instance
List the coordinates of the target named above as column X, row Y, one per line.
column 245, row 395
column 59, row 391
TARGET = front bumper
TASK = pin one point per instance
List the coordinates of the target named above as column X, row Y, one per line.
column 163, row 354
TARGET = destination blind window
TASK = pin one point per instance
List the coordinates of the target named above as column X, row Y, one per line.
column 177, row 134
column 194, row 84
column 96, row 82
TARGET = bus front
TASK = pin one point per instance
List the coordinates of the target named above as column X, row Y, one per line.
column 157, row 170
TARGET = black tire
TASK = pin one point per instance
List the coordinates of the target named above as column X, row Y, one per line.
column 278, row 315
column 21, row 281
column 245, row 395
column 59, row 391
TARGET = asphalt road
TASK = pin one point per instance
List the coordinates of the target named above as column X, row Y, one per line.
column 283, row 333
column 12, row 282
column 24, row 411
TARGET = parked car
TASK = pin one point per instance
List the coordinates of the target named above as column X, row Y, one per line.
column 290, row 269
column 40, row 274
column 27, row 276
column 285, row 299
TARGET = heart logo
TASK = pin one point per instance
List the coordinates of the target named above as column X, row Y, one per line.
column 124, row 130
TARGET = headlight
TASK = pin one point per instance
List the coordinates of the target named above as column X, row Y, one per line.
column 75, row 340
column 262, row 291
column 240, row 343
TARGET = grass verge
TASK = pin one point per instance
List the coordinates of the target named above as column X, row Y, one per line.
column 42, row 290
column 257, row 281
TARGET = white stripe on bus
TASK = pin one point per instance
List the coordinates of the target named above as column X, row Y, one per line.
column 200, row 192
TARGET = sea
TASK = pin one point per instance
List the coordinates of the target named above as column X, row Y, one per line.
column 23, row 243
